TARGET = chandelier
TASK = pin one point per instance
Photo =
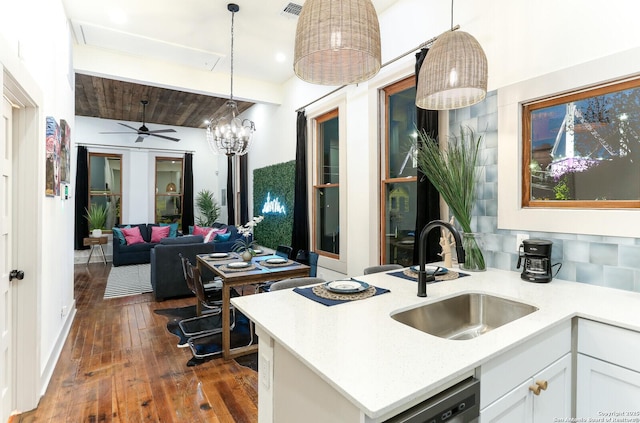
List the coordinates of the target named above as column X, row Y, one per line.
column 229, row 134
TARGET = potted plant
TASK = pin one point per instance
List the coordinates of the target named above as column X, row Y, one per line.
column 245, row 244
column 452, row 171
column 208, row 208
column 96, row 217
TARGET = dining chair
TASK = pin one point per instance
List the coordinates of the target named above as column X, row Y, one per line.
column 309, row 258
column 209, row 287
column 295, row 282
column 382, row 268
column 208, row 319
column 284, row 251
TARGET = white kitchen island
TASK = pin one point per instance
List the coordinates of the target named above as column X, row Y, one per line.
column 353, row 363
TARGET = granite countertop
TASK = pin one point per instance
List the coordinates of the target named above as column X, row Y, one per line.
column 380, row 364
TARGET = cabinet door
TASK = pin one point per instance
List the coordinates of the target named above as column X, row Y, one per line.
column 605, row 387
column 516, row 406
column 554, row 402
column 522, row 405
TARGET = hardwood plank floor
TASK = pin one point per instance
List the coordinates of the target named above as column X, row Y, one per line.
column 120, row 364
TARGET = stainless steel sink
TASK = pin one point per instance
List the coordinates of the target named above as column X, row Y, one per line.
column 464, row 316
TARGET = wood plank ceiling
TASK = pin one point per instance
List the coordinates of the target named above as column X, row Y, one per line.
column 119, row 100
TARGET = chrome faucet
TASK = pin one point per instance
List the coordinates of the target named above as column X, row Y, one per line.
column 423, row 278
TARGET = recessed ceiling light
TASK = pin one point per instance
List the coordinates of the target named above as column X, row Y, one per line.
column 118, row 16
column 280, row 57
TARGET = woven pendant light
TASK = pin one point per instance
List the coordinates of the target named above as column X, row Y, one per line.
column 337, row 42
column 454, row 73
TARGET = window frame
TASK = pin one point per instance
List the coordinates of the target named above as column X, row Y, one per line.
column 577, row 95
column 385, row 179
column 318, row 176
column 160, row 192
column 105, row 194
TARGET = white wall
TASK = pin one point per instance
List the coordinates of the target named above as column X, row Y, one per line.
column 138, row 167
column 35, row 35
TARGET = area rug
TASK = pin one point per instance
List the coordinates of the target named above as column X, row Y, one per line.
column 128, row 280
column 208, row 347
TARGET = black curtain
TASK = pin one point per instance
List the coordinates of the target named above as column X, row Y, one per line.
column 81, row 227
column 231, row 210
column 300, row 234
column 428, row 198
column 187, row 193
column 244, row 200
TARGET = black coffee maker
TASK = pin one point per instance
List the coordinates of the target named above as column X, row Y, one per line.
column 535, row 258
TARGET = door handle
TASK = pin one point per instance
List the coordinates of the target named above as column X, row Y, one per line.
column 16, row 274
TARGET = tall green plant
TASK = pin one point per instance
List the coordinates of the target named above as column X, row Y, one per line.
column 452, row 171
column 207, row 207
column 96, row 216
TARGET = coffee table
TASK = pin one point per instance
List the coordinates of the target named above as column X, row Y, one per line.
column 235, row 278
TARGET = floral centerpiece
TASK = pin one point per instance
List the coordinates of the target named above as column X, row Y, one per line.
column 452, row 172
column 245, row 245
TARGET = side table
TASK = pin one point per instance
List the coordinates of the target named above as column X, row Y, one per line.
column 96, row 243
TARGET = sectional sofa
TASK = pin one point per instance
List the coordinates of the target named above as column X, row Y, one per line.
column 167, row 278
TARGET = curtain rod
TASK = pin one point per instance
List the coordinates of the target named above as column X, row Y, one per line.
column 427, row 43
column 116, row 147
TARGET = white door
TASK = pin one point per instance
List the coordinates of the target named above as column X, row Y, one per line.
column 6, row 312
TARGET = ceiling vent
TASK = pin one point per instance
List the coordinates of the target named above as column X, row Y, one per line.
column 291, row 10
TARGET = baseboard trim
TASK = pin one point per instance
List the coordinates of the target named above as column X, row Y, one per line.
column 47, row 371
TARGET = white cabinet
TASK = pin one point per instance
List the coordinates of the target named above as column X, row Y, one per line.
column 508, row 381
column 608, row 374
column 544, row 397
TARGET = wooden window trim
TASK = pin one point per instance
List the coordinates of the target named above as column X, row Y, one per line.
column 527, row 109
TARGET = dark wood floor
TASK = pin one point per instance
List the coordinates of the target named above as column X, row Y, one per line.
column 120, row 364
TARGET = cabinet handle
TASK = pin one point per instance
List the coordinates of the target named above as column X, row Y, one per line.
column 535, row 389
column 538, row 386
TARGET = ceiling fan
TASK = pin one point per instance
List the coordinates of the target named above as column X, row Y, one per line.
column 143, row 132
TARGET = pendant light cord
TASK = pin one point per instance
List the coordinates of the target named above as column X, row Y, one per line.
column 452, row 15
column 233, row 14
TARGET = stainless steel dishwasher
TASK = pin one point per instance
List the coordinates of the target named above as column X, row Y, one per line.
column 457, row 404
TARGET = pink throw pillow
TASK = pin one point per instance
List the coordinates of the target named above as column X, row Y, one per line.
column 199, row 230
column 159, row 232
column 211, row 235
column 133, row 235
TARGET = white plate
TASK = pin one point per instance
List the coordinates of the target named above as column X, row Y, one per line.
column 219, row 255
column 346, row 286
column 238, row 264
column 257, row 251
column 276, row 260
column 430, row 269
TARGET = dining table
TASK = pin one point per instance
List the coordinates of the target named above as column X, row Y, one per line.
column 234, row 272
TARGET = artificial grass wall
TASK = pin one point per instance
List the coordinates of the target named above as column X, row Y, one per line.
column 274, row 183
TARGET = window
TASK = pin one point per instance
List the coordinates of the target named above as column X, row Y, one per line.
column 327, row 188
column 398, row 170
column 580, row 149
column 105, row 185
column 169, row 190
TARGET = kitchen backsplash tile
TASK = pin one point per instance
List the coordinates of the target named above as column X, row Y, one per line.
column 592, row 259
